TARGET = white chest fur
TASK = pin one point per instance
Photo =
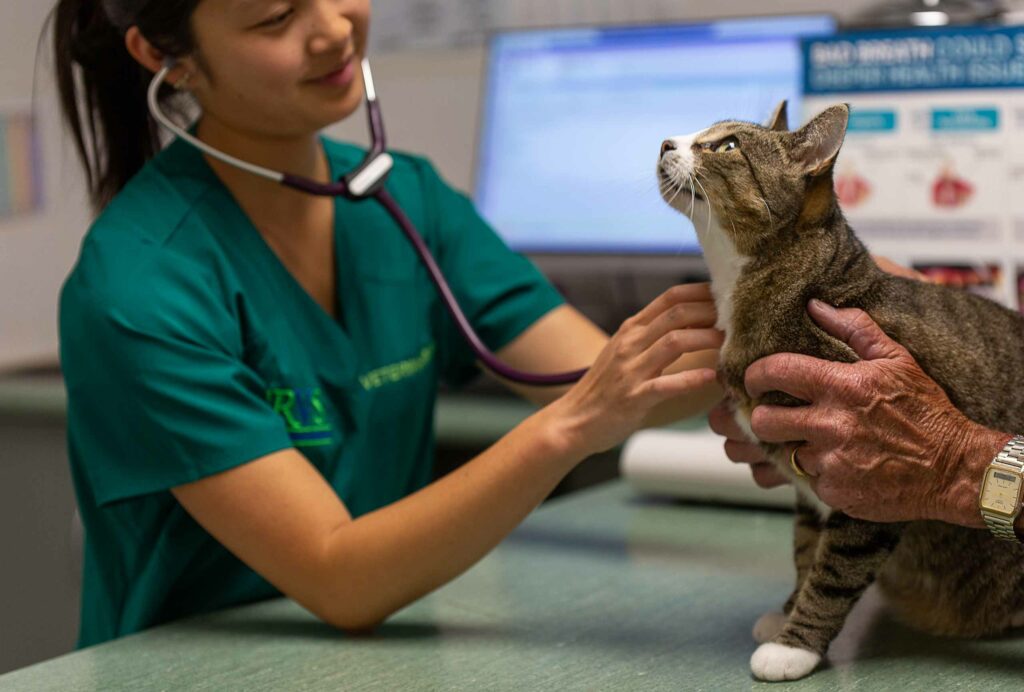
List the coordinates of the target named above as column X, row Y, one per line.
column 724, row 264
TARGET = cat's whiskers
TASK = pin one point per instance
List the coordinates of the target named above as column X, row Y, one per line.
column 695, row 180
column 664, row 189
column 771, row 223
column 642, row 187
column 664, row 186
column 708, row 198
column 677, row 186
column 696, row 172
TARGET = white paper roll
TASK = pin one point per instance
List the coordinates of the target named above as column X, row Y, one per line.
column 693, row 466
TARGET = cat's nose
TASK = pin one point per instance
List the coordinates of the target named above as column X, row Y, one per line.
column 667, row 146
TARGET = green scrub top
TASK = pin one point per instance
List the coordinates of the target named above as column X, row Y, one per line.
column 189, row 349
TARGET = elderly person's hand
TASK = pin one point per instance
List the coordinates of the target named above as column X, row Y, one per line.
column 741, row 450
column 880, row 439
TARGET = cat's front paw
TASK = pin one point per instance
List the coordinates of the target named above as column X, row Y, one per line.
column 774, row 662
column 769, row 625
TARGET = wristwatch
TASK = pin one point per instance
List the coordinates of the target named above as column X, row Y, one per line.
column 1002, row 488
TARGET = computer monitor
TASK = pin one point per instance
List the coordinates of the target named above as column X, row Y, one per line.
column 573, row 120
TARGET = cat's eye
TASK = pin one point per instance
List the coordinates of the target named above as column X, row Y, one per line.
column 727, row 144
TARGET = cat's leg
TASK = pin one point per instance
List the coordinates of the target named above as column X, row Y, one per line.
column 850, row 555
column 807, row 529
column 806, row 532
column 768, row 626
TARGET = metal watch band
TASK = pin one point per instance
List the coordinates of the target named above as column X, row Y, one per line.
column 1002, row 528
column 1012, row 454
column 1012, row 457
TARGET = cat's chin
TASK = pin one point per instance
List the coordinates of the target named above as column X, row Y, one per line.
column 694, row 213
column 684, row 208
column 683, row 198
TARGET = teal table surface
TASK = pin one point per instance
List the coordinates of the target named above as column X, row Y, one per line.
column 600, row 590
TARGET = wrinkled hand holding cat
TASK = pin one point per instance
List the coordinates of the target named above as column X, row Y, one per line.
column 881, row 440
column 738, row 447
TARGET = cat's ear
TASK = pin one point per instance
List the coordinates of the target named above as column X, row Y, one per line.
column 780, row 118
column 816, row 145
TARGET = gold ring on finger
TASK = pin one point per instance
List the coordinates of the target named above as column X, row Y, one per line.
column 795, row 464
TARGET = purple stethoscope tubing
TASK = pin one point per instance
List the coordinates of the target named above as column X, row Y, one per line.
column 364, row 182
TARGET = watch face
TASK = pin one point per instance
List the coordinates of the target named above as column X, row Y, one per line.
column 1001, row 492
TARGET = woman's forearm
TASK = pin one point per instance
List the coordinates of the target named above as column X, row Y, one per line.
column 385, row 560
column 279, row 516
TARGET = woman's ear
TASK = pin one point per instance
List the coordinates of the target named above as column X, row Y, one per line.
column 816, row 145
column 151, row 57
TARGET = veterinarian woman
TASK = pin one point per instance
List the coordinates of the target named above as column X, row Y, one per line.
column 251, row 371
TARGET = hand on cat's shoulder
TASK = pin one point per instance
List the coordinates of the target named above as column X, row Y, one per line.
column 896, row 269
column 879, row 438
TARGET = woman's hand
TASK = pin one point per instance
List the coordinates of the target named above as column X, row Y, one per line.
column 627, row 380
column 740, row 449
column 880, row 439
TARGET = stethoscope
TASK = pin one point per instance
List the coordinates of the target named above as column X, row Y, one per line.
column 364, row 182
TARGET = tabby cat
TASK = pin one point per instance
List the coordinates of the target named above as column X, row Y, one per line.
column 766, row 214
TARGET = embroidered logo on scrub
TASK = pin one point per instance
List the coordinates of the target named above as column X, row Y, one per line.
column 397, row 371
column 304, row 413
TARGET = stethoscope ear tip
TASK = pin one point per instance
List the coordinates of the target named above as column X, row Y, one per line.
column 170, row 62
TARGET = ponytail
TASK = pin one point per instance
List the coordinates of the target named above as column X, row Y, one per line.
column 103, row 88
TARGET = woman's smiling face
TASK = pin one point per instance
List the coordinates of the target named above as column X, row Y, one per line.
column 279, row 68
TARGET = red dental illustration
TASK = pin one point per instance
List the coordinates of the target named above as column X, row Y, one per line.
column 852, row 189
column 950, row 190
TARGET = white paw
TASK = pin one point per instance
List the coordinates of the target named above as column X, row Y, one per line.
column 775, row 662
column 768, row 625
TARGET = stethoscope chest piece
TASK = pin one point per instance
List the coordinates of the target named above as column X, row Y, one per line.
column 371, row 175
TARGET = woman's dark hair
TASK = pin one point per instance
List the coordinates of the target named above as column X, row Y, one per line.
column 103, row 89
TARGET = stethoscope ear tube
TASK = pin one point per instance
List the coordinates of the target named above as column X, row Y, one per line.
column 153, row 98
column 366, row 182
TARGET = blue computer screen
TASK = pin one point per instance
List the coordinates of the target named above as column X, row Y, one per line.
column 573, row 121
